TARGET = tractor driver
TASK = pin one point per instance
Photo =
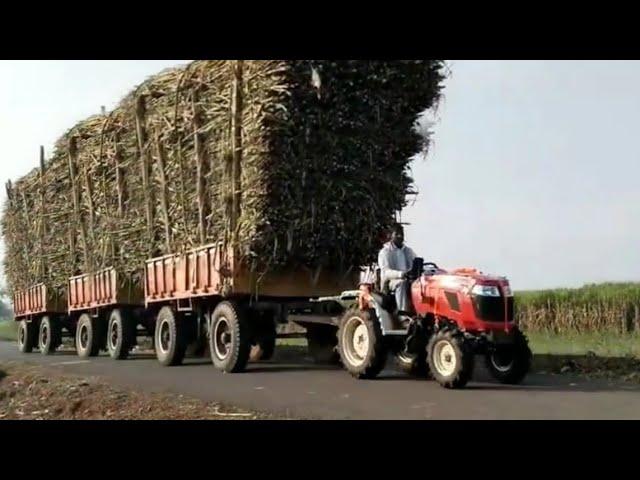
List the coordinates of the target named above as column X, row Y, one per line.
column 395, row 261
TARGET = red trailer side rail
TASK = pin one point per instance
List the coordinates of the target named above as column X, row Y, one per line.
column 211, row 270
column 200, row 272
column 37, row 300
column 101, row 289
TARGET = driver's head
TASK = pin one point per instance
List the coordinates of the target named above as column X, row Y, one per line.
column 397, row 235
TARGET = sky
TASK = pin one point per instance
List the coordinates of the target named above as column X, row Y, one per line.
column 532, row 173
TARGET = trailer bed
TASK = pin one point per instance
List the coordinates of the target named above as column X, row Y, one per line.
column 103, row 288
column 211, row 270
column 38, row 300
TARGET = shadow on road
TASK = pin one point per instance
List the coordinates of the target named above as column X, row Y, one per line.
column 65, row 353
column 273, row 367
column 585, row 363
column 533, row 383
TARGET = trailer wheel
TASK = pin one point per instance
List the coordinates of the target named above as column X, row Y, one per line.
column 171, row 337
column 89, row 336
column 230, row 341
column 121, row 334
column 451, row 360
column 26, row 336
column 361, row 345
column 509, row 364
column 321, row 344
column 49, row 335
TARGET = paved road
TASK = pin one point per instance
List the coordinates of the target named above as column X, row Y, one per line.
column 301, row 389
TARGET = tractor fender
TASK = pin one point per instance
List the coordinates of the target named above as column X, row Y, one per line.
column 383, row 317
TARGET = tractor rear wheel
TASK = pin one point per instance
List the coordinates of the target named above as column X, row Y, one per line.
column 451, row 360
column 509, row 364
column 27, row 336
column 361, row 346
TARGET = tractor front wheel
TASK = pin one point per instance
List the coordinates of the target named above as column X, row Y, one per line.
column 509, row 364
column 451, row 360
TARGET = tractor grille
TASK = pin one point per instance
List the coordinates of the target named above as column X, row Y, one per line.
column 491, row 309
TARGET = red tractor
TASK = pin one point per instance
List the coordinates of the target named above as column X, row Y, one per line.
column 456, row 315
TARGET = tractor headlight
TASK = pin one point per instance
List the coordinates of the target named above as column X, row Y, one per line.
column 485, row 290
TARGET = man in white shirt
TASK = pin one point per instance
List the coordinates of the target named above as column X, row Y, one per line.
column 395, row 261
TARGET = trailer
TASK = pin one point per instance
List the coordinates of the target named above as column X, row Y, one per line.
column 41, row 313
column 190, row 302
column 205, row 295
column 106, row 309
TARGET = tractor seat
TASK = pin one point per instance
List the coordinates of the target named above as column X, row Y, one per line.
column 372, row 276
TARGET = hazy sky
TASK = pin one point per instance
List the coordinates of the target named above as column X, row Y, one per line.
column 533, row 172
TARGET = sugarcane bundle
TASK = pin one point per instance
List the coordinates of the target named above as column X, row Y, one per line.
column 297, row 164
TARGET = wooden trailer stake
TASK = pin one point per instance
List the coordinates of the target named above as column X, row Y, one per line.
column 141, row 134
column 164, row 194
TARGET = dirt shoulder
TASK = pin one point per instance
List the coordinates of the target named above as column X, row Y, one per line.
column 31, row 392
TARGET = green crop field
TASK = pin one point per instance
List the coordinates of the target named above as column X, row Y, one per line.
column 604, row 309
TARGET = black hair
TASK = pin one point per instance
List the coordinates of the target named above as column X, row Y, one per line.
column 397, row 228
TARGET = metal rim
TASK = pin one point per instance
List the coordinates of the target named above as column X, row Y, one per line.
column 222, row 338
column 22, row 334
column 114, row 335
column 497, row 363
column 83, row 336
column 164, row 336
column 444, row 358
column 44, row 334
column 355, row 340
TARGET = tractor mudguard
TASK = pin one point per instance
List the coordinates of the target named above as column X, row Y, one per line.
column 384, row 317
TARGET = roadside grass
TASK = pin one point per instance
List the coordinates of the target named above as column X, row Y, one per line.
column 8, row 330
column 602, row 345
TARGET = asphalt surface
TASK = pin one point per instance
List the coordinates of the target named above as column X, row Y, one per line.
column 300, row 389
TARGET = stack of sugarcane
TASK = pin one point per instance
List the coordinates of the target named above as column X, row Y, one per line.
column 297, row 164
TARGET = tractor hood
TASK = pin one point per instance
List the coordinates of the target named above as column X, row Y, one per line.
column 464, row 279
